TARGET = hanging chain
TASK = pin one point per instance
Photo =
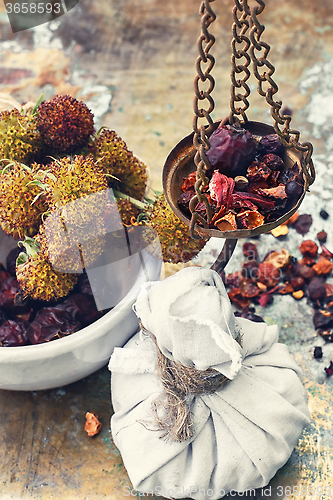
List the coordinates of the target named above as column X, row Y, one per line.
column 241, row 24
column 201, row 133
column 288, row 136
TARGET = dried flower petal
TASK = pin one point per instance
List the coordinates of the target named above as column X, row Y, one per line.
column 93, row 425
column 325, row 252
column 250, row 219
column 281, row 230
column 298, row 294
column 221, row 188
column 323, row 266
column 248, row 288
column 279, row 258
column 278, row 192
column 189, row 181
column 227, row 223
column 237, row 298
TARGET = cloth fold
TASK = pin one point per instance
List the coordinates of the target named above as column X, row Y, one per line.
column 243, row 433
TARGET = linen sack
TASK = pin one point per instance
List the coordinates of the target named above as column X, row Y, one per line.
column 244, row 432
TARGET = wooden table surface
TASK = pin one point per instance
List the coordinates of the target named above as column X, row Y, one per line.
column 134, row 60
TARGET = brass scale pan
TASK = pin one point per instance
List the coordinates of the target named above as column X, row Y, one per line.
column 180, row 163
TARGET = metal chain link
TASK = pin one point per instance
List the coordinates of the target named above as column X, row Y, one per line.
column 242, row 24
column 288, row 136
column 201, row 133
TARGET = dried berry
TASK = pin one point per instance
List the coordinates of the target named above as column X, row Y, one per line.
column 293, row 189
column 306, row 272
column 271, row 144
column 297, row 283
column 303, row 223
column 316, row 289
column 318, row 352
column 309, row 247
column 231, row 151
column 51, row 323
column 274, row 162
column 322, row 236
column 323, row 214
column 13, row 333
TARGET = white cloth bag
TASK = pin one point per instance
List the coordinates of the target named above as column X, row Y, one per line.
column 244, row 432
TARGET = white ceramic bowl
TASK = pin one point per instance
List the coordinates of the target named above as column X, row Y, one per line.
column 66, row 360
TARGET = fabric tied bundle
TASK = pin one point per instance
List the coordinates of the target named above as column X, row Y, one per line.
column 241, row 433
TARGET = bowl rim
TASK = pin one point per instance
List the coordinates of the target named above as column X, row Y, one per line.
column 94, row 331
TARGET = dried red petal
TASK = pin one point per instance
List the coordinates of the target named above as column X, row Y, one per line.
column 238, row 299
column 189, row 181
column 278, row 192
column 51, row 323
column 13, row 333
column 258, row 171
column 325, row 252
column 248, row 288
column 255, row 198
column 221, row 188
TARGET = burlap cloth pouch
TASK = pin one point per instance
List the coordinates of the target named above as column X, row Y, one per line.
column 238, row 432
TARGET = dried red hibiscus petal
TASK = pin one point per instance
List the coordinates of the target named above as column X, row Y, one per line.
column 238, row 299
column 188, row 182
column 185, row 198
column 278, row 192
column 255, row 198
column 221, row 188
column 51, row 323
column 258, row 171
column 13, row 333
column 248, row 288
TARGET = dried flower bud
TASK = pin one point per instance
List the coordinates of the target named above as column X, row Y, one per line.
column 93, row 425
column 309, row 247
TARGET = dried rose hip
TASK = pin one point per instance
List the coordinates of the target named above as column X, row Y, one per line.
column 13, row 333
column 271, row 144
column 316, row 289
column 231, row 151
column 322, row 236
column 297, row 283
column 309, row 247
column 306, row 272
column 51, row 323
column 274, row 162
